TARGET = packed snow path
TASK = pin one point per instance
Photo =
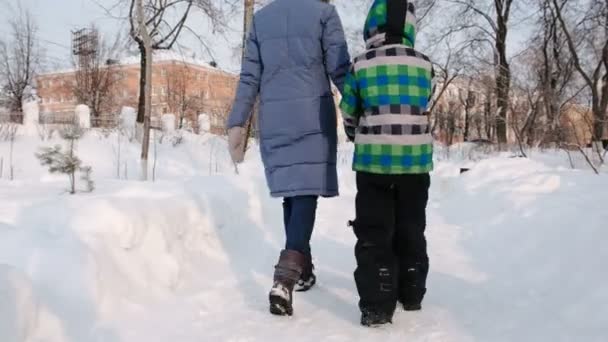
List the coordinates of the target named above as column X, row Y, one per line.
column 517, row 254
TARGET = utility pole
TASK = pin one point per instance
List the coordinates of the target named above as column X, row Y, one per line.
column 247, row 21
column 145, row 35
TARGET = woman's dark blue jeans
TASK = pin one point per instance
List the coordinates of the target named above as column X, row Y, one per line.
column 299, row 214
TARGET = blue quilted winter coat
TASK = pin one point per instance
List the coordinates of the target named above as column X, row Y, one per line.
column 294, row 48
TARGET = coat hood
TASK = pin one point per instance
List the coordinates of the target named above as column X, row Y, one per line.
column 390, row 22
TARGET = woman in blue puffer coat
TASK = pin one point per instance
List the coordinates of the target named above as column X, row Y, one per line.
column 294, row 49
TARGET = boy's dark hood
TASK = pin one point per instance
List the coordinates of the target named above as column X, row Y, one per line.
column 390, row 22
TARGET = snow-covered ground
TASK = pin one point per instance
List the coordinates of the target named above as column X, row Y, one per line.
column 518, row 251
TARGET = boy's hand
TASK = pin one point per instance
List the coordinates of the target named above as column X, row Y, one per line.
column 236, row 144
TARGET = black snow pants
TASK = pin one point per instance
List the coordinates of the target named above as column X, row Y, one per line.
column 391, row 253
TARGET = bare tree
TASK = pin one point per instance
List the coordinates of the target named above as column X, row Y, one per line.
column 20, row 57
column 488, row 24
column 554, row 85
column 97, row 75
column 158, row 25
column 587, row 40
column 146, row 72
column 445, row 74
column 163, row 33
column 449, row 122
column 468, row 100
column 180, row 93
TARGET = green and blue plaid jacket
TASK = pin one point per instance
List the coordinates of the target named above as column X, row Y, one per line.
column 387, row 93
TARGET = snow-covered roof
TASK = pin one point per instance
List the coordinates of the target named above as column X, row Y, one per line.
column 162, row 56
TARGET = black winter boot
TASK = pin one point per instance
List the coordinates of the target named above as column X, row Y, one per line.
column 287, row 272
column 307, row 279
column 412, row 291
column 375, row 318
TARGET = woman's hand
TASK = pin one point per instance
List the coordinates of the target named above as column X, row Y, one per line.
column 236, row 144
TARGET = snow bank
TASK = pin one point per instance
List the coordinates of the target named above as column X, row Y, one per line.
column 116, row 156
column 516, row 249
column 18, row 305
column 535, row 238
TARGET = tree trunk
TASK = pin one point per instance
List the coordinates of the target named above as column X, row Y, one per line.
column 503, row 79
column 466, row 126
column 141, row 107
column 600, row 125
column 147, row 86
column 16, row 115
column 503, row 82
column 487, row 111
column 599, row 122
column 468, row 105
column 247, row 21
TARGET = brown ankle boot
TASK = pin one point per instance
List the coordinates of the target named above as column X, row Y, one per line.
column 286, row 275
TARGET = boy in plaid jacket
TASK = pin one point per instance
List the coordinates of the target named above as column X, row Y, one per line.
column 385, row 102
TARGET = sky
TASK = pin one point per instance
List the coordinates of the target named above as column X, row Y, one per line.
column 57, row 18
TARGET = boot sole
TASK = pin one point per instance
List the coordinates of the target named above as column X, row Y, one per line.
column 412, row 307
column 376, row 325
column 279, row 306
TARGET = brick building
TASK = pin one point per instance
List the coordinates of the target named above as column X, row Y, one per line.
column 183, row 87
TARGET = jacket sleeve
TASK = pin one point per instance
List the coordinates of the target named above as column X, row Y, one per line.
column 249, row 82
column 335, row 49
column 351, row 105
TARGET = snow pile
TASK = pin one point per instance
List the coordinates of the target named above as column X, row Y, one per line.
column 516, row 247
column 31, row 118
column 534, row 238
column 168, row 123
column 128, row 117
column 204, row 123
column 18, row 306
column 83, row 114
